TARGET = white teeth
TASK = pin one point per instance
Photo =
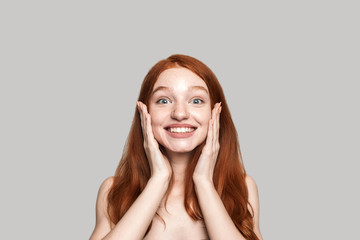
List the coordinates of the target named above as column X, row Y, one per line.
column 181, row 130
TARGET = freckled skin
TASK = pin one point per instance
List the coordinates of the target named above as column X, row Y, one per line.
column 180, row 98
column 180, row 102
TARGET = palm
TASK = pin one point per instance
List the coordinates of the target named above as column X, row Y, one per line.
column 206, row 164
column 158, row 162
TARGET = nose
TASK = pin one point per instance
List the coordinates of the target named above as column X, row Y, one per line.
column 180, row 111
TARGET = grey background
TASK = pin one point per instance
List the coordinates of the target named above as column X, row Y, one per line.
column 71, row 72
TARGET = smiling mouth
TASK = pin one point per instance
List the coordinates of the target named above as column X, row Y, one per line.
column 180, row 130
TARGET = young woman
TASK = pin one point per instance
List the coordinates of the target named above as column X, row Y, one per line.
column 181, row 175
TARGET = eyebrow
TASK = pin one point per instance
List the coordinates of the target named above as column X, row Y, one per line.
column 168, row 89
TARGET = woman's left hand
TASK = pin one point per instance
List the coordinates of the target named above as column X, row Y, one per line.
column 205, row 166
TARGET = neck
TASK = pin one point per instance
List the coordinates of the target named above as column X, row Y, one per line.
column 179, row 163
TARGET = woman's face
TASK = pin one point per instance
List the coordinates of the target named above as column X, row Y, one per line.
column 180, row 110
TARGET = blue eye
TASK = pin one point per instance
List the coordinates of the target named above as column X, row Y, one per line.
column 162, row 101
column 197, row 101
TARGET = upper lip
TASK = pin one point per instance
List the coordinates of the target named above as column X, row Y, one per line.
column 180, row 125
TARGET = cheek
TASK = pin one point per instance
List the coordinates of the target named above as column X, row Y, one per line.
column 157, row 123
column 203, row 116
column 156, row 117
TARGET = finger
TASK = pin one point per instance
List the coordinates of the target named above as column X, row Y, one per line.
column 147, row 120
column 215, row 126
column 138, row 103
column 209, row 134
column 213, row 113
column 144, row 120
column 148, row 127
column 209, row 139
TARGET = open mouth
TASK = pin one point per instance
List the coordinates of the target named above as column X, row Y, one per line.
column 180, row 129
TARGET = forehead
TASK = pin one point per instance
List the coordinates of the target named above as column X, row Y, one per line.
column 179, row 78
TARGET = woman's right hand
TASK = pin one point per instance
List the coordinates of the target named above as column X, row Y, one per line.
column 159, row 164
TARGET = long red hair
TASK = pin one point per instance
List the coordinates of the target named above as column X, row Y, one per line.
column 133, row 171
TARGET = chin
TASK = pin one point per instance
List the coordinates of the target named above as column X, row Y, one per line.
column 181, row 147
column 180, row 150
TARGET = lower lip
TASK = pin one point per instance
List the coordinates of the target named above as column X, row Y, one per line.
column 180, row 135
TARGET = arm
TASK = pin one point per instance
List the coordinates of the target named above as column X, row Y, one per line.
column 137, row 219
column 254, row 201
column 135, row 222
column 218, row 222
column 102, row 226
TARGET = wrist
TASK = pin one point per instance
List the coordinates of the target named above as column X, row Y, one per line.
column 163, row 180
column 203, row 181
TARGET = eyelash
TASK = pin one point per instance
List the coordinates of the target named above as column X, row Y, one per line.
column 160, row 101
column 201, row 101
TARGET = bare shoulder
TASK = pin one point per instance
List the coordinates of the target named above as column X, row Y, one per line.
column 101, row 203
column 254, row 202
column 106, row 185
column 251, row 184
column 102, row 226
column 253, row 194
